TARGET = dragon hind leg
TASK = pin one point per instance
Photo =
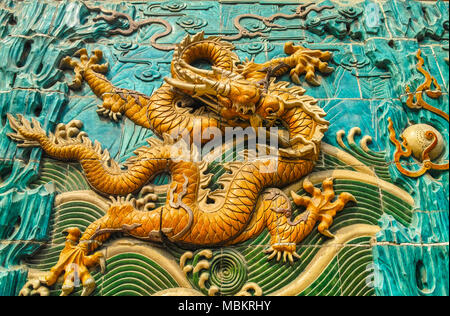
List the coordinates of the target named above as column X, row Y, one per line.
column 286, row 232
column 79, row 254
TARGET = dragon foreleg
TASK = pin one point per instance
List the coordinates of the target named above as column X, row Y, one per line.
column 301, row 61
column 116, row 101
column 160, row 112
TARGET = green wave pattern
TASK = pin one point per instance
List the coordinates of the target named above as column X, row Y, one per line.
column 372, row 203
column 135, row 274
column 70, row 214
column 128, row 274
column 353, row 266
column 66, row 176
column 377, row 160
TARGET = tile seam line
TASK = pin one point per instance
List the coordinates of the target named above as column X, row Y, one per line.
column 387, row 243
column 383, row 243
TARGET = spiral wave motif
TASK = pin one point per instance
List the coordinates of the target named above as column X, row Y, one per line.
column 228, row 271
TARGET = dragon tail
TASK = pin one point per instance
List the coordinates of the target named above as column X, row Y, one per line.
column 23, row 130
column 102, row 172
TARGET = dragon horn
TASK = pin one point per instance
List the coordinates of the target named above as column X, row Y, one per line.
column 207, row 85
column 218, row 86
column 203, row 72
column 226, row 73
column 194, row 88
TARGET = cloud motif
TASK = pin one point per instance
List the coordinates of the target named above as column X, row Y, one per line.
column 191, row 22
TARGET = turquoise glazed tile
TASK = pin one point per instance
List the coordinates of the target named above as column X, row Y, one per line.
column 419, row 270
column 434, row 226
column 10, row 279
column 421, row 27
column 441, row 53
column 356, row 270
column 392, row 241
column 359, row 112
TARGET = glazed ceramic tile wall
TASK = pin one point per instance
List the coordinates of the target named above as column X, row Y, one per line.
column 390, row 61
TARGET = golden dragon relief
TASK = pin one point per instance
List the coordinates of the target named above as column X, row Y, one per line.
column 229, row 94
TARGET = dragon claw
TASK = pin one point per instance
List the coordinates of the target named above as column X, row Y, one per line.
column 306, row 62
column 295, row 78
column 287, row 252
column 319, row 207
column 102, row 263
column 34, row 288
column 77, row 271
column 88, row 287
column 75, row 263
column 85, row 62
column 80, row 52
column 321, row 203
column 327, row 233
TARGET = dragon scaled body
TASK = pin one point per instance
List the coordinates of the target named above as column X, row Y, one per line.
column 230, row 94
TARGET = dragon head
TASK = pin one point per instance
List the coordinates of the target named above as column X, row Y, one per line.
column 274, row 102
column 226, row 93
column 232, row 96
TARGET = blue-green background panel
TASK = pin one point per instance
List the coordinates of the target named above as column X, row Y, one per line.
column 374, row 46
